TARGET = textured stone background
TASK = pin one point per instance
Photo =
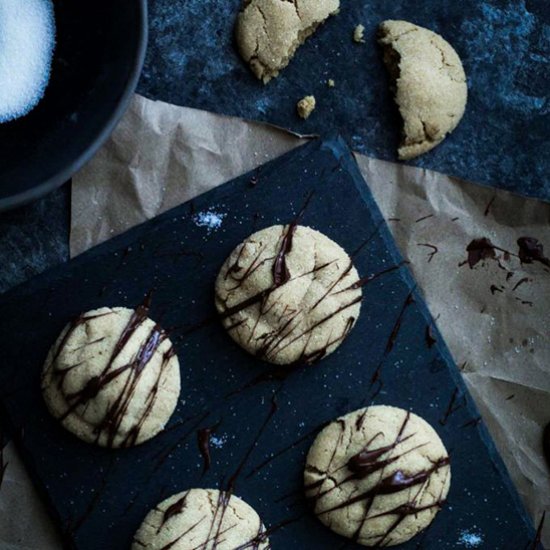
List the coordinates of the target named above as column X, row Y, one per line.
column 503, row 139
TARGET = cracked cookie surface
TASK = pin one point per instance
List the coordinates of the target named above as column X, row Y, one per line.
column 112, row 378
column 289, row 295
column 202, row 518
column 269, row 32
column 378, row 475
column 430, row 84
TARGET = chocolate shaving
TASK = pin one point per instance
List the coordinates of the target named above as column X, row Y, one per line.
column 531, row 250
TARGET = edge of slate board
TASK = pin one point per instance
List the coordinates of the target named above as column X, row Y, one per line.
column 337, row 147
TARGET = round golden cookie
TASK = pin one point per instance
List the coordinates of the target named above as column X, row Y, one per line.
column 112, row 378
column 430, row 84
column 268, row 32
column 288, row 295
column 203, row 519
column 377, row 476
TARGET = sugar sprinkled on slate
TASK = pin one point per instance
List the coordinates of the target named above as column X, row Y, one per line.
column 469, row 539
column 27, row 38
column 210, row 219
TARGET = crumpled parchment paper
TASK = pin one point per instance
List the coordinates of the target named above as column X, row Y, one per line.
column 494, row 316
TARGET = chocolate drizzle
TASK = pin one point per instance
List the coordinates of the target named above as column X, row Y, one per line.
column 536, row 543
column 177, row 508
column 376, row 377
column 452, row 407
column 531, row 250
column 433, row 248
column 203, row 441
column 232, row 481
column 281, row 274
column 110, row 425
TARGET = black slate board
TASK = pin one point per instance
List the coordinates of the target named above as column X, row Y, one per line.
column 502, row 140
column 99, row 496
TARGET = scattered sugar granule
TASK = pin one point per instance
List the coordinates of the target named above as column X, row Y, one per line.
column 27, row 40
column 359, row 34
column 210, row 219
column 306, row 106
column 218, row 442
column 469, row 539
column 331, row 83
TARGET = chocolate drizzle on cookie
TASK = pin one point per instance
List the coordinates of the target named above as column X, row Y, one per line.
column 110, row 424
column 370, row 460
column 289, row 329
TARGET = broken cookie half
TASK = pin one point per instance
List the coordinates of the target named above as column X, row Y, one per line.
column 269, row 32
column 429, row 84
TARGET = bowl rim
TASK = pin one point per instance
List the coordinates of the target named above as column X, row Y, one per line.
column 64, row 175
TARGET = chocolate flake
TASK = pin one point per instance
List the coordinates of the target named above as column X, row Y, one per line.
column 479, row 250
column 531, row 250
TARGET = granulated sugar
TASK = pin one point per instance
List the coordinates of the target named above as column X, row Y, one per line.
column 27, row 39
column 210, row 219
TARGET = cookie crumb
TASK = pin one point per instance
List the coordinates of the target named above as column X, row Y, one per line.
column 306, row 106
column 331, row 83
column 359, row 34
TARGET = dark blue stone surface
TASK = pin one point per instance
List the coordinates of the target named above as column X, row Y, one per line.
column 503, row 139
column 99, row 496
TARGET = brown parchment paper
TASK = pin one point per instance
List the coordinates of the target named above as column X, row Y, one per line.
column 494, row 318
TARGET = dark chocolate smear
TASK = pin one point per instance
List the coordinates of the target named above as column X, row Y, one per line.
column 531, row 250
column 479, row 250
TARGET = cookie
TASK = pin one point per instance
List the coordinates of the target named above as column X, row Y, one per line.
column 289, row 295
column 429, row 81
column 202, row 518
column 268, row 32
column 112, row 378
column 377, row 476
